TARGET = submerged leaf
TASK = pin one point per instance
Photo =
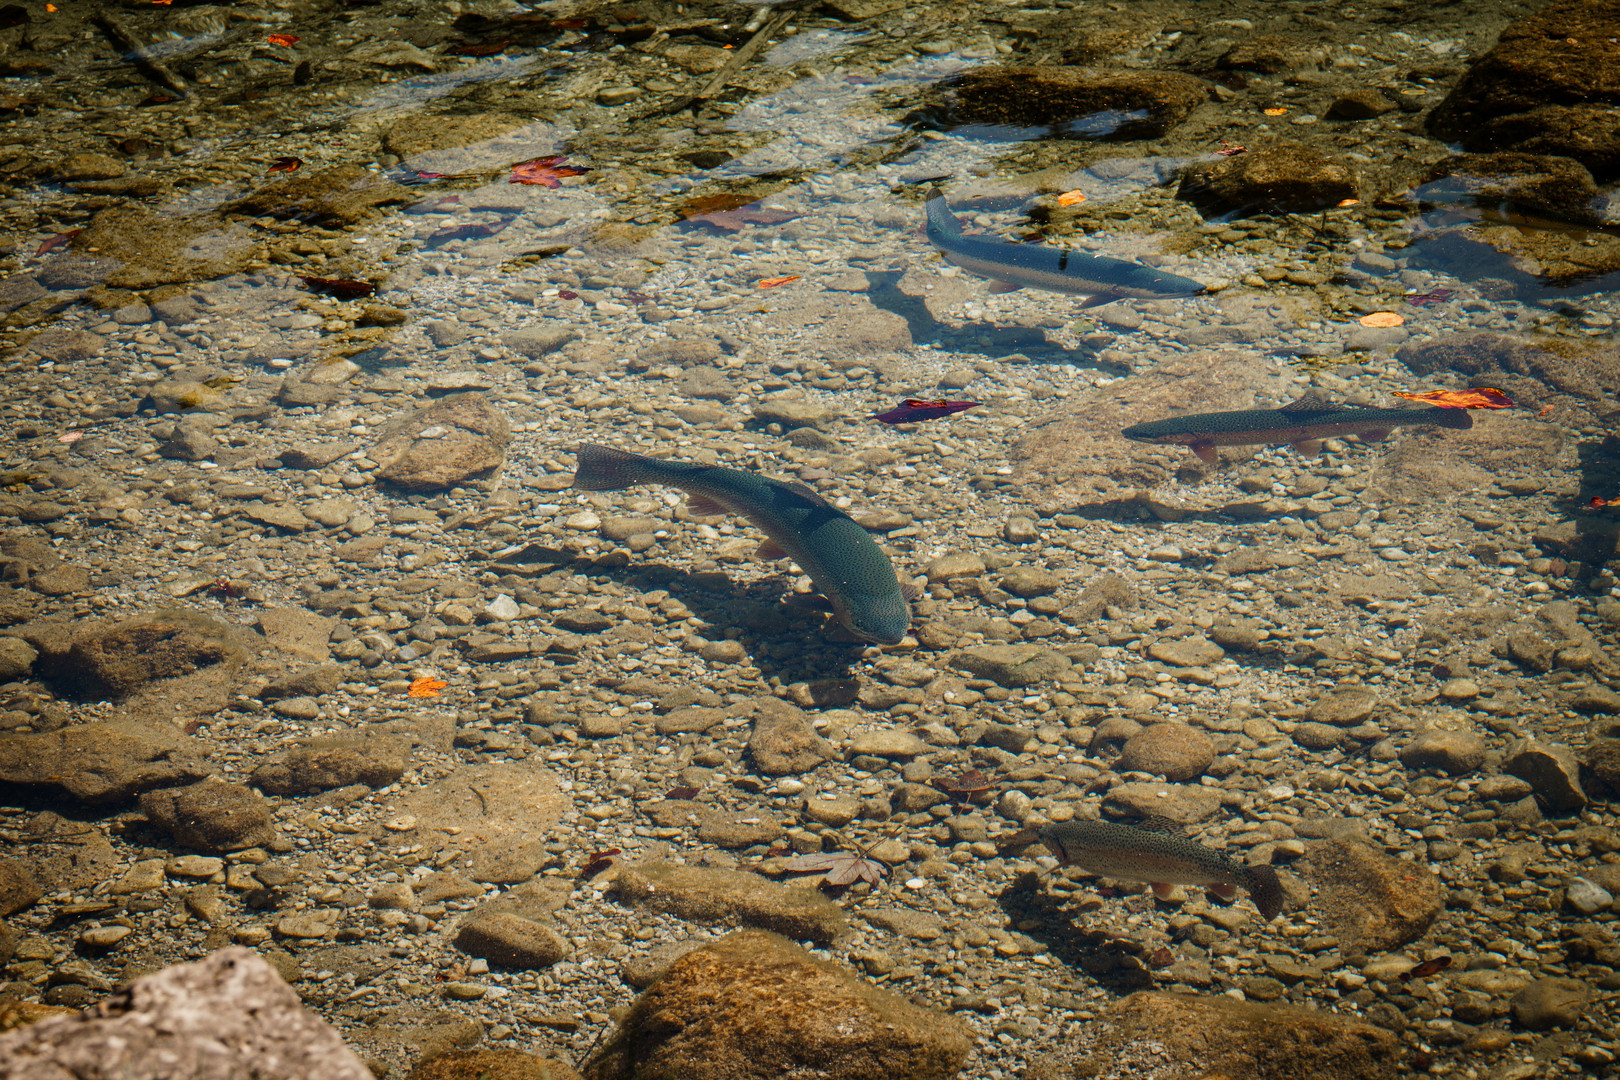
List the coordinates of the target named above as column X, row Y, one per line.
column 1477, row 397
column 915, row 410
column 547, row 172
column 424, row 687
column 340, row 288
column 842, row 867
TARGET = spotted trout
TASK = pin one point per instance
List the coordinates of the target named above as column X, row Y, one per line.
column 841, row 558
column 1016, row 266
column 1160, row 858
column 1302, row 424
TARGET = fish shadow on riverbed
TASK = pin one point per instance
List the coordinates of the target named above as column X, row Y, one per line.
column 883, row 290
column 783, row 641
column 1119, row 964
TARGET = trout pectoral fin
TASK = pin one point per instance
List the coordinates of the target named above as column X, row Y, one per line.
column 1205, row 453
column 1225, row 892
column 1373, row 434
column 703, row 506
column 1163, row 890
column 909, row 591
column 1308, row 446
column 1004, row 286
column 809, row 602
column 1099, row 300
column 770, row 549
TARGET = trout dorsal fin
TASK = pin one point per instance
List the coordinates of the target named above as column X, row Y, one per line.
column 1310, row 402
column 1160, row 824
column 807, row 491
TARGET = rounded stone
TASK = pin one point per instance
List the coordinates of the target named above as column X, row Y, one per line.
column 511, row 941
column 1455, row 752
column 1174, row 751
column 1551, row 1003
column 723, row 652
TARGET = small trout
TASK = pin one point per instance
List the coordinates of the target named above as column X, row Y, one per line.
column 841, row 558
column 1303, row 424
column 1015, row 266
column 1160, row 858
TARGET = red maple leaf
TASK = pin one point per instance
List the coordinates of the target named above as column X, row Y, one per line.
column 546, row 171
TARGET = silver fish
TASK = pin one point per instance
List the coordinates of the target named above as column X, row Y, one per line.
column 1015, row 266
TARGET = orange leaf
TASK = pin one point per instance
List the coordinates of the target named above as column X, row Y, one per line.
column 546, row 172
column 1478, row 397
column 426, row 687
column 773, row 282
column 1069, row 198
column 286, row 41
column 59, row 240
column 1348, row 202
column 1381, row 318
column 1275, row 110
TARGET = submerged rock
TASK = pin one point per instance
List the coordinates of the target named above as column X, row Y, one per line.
column 228, row 1015
column 1074, row 102
column 1546, row 75
column 443, row 444
column 1282, row 177
column 1217, row 1036
column 731, row 898
column 753, row 1005
column 1373, row 902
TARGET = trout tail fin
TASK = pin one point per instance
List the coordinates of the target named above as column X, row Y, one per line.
column 1266, row 891
column 1461, row 419
column 602, row 468
column 941, row 222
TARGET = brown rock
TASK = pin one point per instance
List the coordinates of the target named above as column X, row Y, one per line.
column 731, row 898
column 1096, row 103
column 440, row 445
column 19, row 888
column 503, row 811
column 1372, row 901
column 1282, row 177
column 512, row 941
column 1551, row 1003
column 323, row 764
column 212, row 816
column 1218, row 1037
column 1551, row 769
column 753, row 1005
column 115, row 661
column 1273, row 54
column 1173, row 751
column 1457, row 753
column 1560, row 57
column 1589, row 134
column 491, row 1063
column 226, row 1016
column 301, row 633
column 784, row 742
column 1549, row 185
column 99, row 764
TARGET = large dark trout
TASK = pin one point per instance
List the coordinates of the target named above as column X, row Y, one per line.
column 841, row 558
column 1160, row 858
column 1015, row 266
column 1302, row 424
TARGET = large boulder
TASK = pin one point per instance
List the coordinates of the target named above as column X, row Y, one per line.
column 1195, row 1036
column 99, row 764
column 754, row 1005
column 226, row 1016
